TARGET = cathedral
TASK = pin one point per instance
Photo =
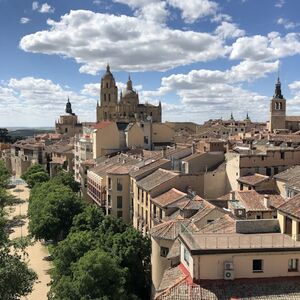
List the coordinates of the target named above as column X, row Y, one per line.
column 125, row 109
column 279, row 121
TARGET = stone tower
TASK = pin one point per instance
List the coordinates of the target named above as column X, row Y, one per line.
column 277, row 109
column 108, row 96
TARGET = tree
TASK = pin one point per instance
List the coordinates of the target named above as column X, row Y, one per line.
column 38, row 177
column 4, row 175
column 67, row 179
column 16, row 279
column 4, row 136
column 51, row 210
column 96, row 275
column 32, row 170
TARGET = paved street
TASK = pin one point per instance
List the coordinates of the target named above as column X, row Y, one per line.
column 36, row 253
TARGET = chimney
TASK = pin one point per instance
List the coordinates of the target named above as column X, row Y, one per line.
column 164, row 152
column 232, row 195
column 193, row 147
column 267, row 201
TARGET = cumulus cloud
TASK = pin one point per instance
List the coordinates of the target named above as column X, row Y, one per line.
column 194, row 10
column 279, row 3
column 28, row 99
column 131, row 43
column 24, row 20
column 229, row 30
column 215, row 92
column 269, row 47
column 44, row 8
column 287, row 24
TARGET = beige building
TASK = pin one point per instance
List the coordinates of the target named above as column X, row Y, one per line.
column 106, row 139
column 125, row 109
column 269, row 162
column 68, row 124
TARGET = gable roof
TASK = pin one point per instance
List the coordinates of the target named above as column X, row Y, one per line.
column 253, row 180
column 291, row 207
column 168, row 197
column 155, row 179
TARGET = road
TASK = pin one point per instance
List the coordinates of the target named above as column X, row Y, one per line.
column 36, row 252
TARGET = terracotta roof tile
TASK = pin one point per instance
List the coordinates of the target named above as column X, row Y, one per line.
column 291, row 207
column 253, row 179
column 102, row 124
column 168, row 197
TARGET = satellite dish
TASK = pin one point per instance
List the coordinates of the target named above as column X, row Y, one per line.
column 149, row 118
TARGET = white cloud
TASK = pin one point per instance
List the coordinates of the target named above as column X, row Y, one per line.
column 35, row 5
column 130, row 43
column 287, row 24
column 44, row 8
column 194, row 10
column 214, row 92
column 269, row 47
column 279, row 3
column 294, row 85
column 229, row 30
column 24, row 20
column 28, row 99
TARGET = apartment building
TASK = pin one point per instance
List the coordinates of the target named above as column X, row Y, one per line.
column 270, row 162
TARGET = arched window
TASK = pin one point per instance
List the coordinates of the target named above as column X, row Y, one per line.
column 108, row 97
column 104, row 97
column 107, row 84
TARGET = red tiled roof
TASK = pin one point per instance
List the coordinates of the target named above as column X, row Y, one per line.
column 253, row 179
column 291, row 207
column 168, row 197
column 102, row 124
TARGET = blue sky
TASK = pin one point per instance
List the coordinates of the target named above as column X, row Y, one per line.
column 201, row 58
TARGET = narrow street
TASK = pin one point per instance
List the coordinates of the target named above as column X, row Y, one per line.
column 36, row 252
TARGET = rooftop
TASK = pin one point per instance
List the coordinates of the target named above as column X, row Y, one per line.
column 156, row 178
column 168, row 197
column 289, row 174
column 253, row 179
column 291, row 207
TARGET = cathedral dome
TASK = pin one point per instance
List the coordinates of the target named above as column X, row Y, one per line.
column 128, row 92
column 108, row 74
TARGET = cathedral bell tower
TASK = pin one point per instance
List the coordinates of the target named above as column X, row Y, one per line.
column 108, row 97
column 277, row 109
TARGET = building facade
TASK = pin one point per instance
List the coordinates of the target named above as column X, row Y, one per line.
column 126, row 108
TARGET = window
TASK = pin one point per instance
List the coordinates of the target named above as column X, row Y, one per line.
column 108, row 97
column 164, row 251
column 209, row 221
column 119, row 214
column 109, row 182
column 104, row 97
column 282, row 155
column 186, row 256
column 258, row 217
column 160, row 213
column 109, row 200
column 293, row 265
column 146, row 140
column 257, row 265
column 119, row 201
column 66, row 129
column 119, row 184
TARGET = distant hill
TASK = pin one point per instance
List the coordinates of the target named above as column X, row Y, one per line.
column 28, row 132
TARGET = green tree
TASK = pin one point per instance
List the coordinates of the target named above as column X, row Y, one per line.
column 32, row 170
column 16, row 279
column 4, row 175
column 133, row 252
column 4, row 136
column 51, row 210
column 38, row 177
column 6, row 198
column 67, row 179
column 96, row 275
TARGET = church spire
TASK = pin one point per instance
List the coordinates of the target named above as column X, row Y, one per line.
column 107, row 68
column 278, row 93
column 69, row 107
column 129, row 83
